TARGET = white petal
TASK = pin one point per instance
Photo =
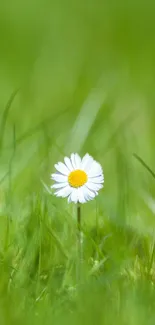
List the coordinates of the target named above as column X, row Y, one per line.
column 77, row 161
column 98, row 180
column 73, row 161
column 93, row 186
column 59, row 178
column 68, row 163
column 59, row 185
column 87, row 162
column 74, row 195
column 62, row 168
column 89, row 195
column 64, row 192
column 95, row 169
column 85, row 192
column 69, row 199
column 81, row 197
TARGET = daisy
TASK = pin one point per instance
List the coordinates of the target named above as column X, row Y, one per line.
column 78, row 179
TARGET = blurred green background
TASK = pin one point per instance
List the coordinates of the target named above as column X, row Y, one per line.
column 77, row 77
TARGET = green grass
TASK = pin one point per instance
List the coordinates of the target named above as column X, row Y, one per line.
column 77, row 77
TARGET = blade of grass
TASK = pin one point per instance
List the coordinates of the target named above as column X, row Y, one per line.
column 144, row 165
column 57, row 241
column 5, row 115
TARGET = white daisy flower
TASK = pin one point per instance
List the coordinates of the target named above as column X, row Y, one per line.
column 78, row 179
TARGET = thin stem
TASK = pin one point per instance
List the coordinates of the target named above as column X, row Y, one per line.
column 97, row 227
column 79, row 218
column 79, row 244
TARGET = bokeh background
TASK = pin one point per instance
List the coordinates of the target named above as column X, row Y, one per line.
column 77, row 76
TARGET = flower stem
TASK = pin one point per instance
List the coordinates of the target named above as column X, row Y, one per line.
column 79, row 244
column 79, row 218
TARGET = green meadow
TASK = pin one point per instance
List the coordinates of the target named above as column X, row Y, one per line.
column 77, row 76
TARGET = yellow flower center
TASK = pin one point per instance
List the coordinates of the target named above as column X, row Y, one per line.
column 77, row 178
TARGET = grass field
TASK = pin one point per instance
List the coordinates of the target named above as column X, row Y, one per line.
column 77, row 77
